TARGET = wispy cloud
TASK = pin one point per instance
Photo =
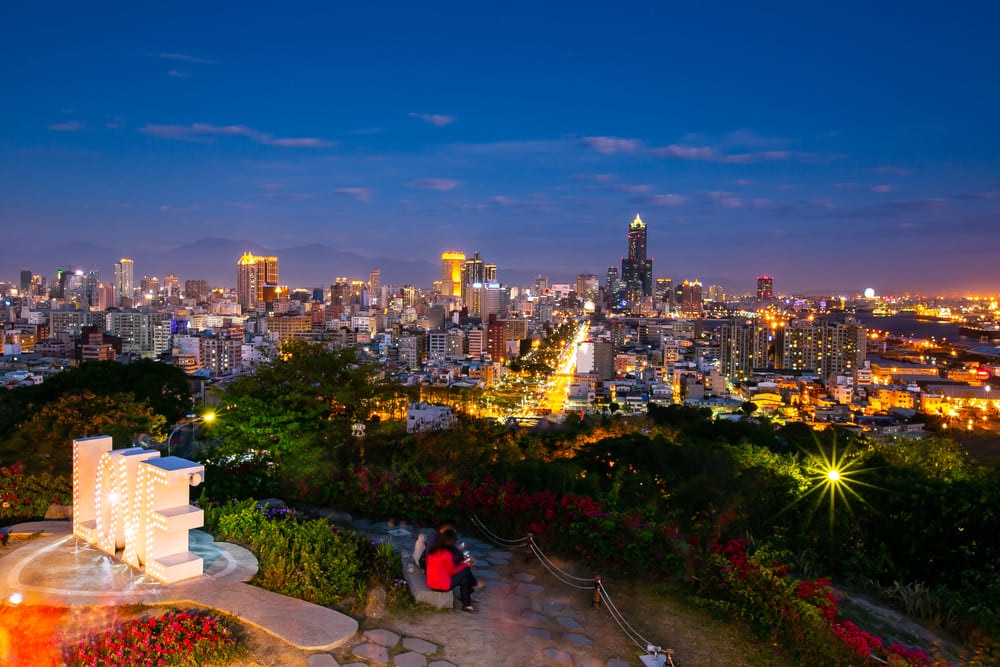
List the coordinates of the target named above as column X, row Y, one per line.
column 883, row 189
column 206, row 131
column 285, row 196
column 435, row 119
column 663, row 200
column 611, row 145
column 596, row 178
column 239, row 204
column 179, row 211
column 271, row 187
column 439, row 184
column 639, row 189
column 704, row 153
column 893, row 171
column 361, row 194
column 182, row 57
column 177, row 74
column 684, row 152
column 71, row 126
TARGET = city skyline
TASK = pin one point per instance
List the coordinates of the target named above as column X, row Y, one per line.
column 835, row 152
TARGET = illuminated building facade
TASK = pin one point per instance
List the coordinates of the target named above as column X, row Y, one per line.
column 765, row 288
column 822, row 347
column 691, row 298
column 124, row 281
column 451, row 273
column 743, row 347
column 253, row 273
column 637, row 269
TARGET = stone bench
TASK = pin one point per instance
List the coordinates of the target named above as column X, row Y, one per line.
column 418, row 586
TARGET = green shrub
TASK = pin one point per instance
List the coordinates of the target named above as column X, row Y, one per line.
column 308, row 560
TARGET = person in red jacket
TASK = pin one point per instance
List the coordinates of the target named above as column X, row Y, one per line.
column 444, row 574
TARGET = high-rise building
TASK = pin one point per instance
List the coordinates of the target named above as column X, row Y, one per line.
column 821, row 347
column 715, row 294
column 765, row 288
column 613, row 291
column 91, row 284
column 451, row 273
column 196, row 289
column 473, row 271
column 691, row 299
column 172, row 285
column 742, row 348
column 253, row 273
column 587, row 286
column 374, row 285
column 637, row 269
column 665, row 291
column 489, row 272
column 25, row 284
column 124, row 280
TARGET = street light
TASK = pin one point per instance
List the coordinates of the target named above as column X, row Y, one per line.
column 190, row 420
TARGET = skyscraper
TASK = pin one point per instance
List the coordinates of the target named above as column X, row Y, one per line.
column 25, row 285
column 691, row 298
column 253, row 273
column 451, row 273
column 765, row 288
column 91, row 284
column 637, row 269
column 473, row 270
column 374, row 284
column 124, row 280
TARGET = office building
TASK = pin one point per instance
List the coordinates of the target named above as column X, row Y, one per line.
column 451, row 273
column 765, row 288
column 637, row 269
column 691, row 298
column 374, row 286
column 587, row 286
column 196, row 289
column 124, row 281
column 253, row 274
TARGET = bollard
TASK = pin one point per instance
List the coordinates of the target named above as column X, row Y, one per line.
column 528, row 550
column 596, row 604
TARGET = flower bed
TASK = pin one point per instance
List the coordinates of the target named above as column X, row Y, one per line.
column 29, row 496
column 802, row 615
column 176, row 638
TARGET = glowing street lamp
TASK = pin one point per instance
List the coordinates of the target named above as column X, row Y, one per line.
column 190, row 420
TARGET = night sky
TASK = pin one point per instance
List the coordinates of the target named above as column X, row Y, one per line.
column 836, row 146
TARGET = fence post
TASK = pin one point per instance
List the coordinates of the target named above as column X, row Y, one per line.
column 596, row 603
column 528, row 551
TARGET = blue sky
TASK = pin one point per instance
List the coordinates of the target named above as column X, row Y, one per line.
column 836, row 146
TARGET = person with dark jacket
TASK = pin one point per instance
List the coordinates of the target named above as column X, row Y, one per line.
column 444, row 574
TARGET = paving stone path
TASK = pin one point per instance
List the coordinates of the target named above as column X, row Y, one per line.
column 529, row 615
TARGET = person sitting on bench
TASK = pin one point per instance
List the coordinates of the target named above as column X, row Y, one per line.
column 444, row 574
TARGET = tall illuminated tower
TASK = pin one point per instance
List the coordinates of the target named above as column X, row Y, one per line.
column 451, row 273
column 637, row 269
column 765, row 288
column 124, row 279
column 253, row 273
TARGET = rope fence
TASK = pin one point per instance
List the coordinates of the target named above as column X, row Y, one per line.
column 600, row 592
column 581, row 583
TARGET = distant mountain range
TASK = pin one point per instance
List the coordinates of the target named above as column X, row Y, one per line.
column 214, row 260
